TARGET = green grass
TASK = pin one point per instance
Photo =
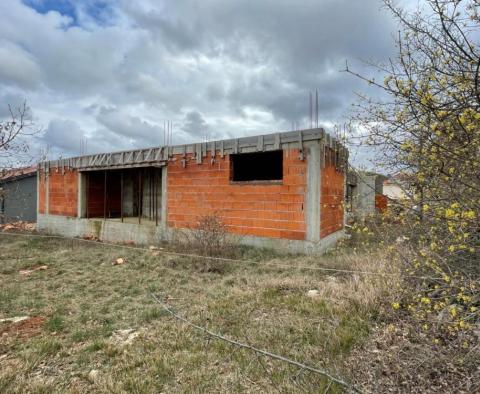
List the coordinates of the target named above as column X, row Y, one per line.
column 85, row 299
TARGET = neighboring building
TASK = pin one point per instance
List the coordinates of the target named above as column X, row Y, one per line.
column 283, row 190
column 18, row 195
column 365, row 194
column 397, row 187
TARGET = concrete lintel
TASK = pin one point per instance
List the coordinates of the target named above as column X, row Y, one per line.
column 150, row 156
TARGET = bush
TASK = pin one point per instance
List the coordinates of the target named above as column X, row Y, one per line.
column 209, row 238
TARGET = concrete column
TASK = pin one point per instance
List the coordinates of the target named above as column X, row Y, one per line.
column 38, row 192
column 364, row 196
column 128, row 195
column 164, row 209
column 312, row 203
column 47, row 190
column 82, row 195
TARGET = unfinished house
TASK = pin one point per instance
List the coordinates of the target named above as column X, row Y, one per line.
column 283, row 190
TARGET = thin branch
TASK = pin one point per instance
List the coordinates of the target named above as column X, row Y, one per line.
column 254, row 349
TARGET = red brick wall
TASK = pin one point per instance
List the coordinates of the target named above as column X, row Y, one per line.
column 62, row 192
column 42, row 190
column 331, row 200
column 381, row 202
column 275, row 210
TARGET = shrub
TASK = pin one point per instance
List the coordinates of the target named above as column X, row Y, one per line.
column 209, row 238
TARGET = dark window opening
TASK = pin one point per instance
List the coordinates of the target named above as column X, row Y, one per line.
column 125, row 193
column 258, row 166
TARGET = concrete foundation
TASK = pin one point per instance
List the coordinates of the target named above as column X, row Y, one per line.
column 147, row 233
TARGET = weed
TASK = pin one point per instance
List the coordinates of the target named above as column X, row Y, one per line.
column 55, row 324
column 48, row 347
column 96, row 346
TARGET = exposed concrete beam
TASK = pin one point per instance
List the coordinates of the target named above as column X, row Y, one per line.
column 160, row 155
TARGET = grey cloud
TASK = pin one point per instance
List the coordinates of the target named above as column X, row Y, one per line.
column 63, row 135
column 299, row 44
column 14, row 100
column 195, row 124
column 139, row 132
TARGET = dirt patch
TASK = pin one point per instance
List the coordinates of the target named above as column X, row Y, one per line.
column 23, row 329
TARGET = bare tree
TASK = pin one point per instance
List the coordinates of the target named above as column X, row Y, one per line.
column 14, row 133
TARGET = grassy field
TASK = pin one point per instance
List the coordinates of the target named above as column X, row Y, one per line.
column 82, row 303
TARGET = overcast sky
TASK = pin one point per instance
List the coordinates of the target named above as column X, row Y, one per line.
column 113, row 71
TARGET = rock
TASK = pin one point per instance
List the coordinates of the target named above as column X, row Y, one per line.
column 119, row 261
column 313, row 293
column 124, row 337
column 94, row 375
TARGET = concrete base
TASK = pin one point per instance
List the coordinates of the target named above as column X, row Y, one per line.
column 105, row 230
column 147, row 233
column 293, row 246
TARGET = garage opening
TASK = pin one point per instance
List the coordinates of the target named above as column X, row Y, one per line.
column 127, row 194
column 257, row 166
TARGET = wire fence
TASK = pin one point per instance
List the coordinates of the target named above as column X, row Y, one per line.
column 225, row 259
column 258, row 351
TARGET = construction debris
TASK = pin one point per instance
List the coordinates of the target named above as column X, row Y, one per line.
column 15, row 319
column 93, row 375
column 313, row 293
column 33, row 269
column 124, row 337
column 119, row 261
column 18, row 226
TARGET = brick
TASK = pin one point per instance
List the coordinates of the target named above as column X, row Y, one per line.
column 264, row 210
column 62, row 193
column 331, row 201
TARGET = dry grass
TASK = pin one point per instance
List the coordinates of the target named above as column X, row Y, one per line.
column 85, row 300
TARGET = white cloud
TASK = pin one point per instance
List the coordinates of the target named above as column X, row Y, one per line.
column 18, row 67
